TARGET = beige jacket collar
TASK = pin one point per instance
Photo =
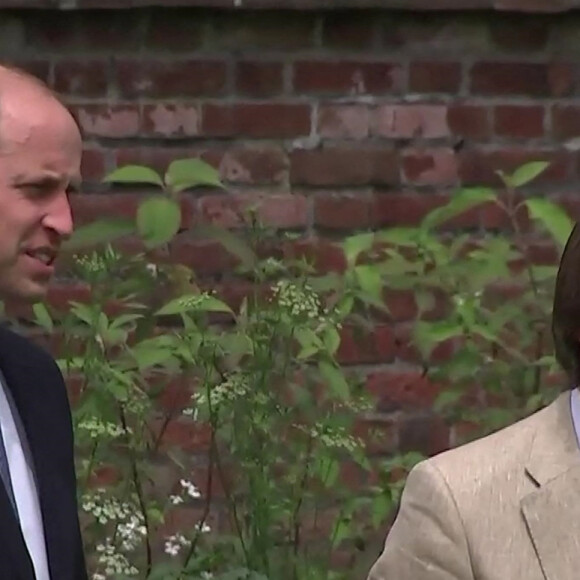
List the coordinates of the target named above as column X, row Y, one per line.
column 552, row 510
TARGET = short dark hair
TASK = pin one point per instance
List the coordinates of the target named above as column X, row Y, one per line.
column 566, row 309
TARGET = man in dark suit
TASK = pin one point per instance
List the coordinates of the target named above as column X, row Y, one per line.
column 40, row 158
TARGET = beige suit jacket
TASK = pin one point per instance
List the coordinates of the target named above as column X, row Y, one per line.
column 505, row 507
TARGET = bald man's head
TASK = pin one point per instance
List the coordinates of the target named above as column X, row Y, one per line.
column 40, row 157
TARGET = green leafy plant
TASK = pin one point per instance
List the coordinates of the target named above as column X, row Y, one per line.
column 264, row 394
column 214, row 435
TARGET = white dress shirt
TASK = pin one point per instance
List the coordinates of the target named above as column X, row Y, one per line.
column 24, row 486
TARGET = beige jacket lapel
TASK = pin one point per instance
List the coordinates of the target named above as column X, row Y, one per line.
column 552, row 510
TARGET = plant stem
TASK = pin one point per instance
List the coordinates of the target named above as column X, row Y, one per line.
column 139, row 491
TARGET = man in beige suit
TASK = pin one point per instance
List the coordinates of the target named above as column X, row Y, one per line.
column 506, row 507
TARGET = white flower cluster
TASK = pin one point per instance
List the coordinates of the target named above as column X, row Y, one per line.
column 173, row 544
column 97, row 428
column 109, row 509
column 187, row 487
column 334, row 437
column 297, row 301
column 234, row 387
column 190, row 488
column 91, row 264
column 113, row 562
column 272, row 266
column 193, row 302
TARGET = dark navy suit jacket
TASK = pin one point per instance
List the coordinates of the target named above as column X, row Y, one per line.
column 38, row 390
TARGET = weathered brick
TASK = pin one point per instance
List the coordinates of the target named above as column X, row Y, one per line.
column 154, row 78
column 157, row 158
column 354, row 30
column 469, row 121
column 340, row 166
column 276, row 210
column 107, row 31
column 343, row 121
column 324, row 255
column 395, row 390
column 430, row 166
column 434, row 77
column 204, row 257
column 513, row 78
column 410, row 121
column 38, row 67
column 52, row 32
column 441, row 33
column 174, row 30
column 565, row 121
column 403, row 209
column 259, row 79
column 479, row 167
column 256, row 120
column 520, row 33
column 334, row 211
column 93, row 164
column 406, row 348
column 380, row 434
column 254, row 165
column 426, row 434
column 171, row 120
column 366, row 346
column 347, row 77
column 523, row 122
column 81, row 78
column 87, row 208
column 108, row 120
column 184, row 433
column 262, row 30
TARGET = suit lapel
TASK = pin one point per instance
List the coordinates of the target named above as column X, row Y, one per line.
column 552, row 510
column 31, row 388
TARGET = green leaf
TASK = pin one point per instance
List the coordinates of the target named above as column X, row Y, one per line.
column 150, row 357
column 134, row 174
column 463, row 200
column 193, row 303
column 99, row 232
column 124, row 319
column 43, row 318
column 399, row 236
column 83, row 312
column 158, row 220
column 552, row 217
column 331, row 340
column 335, row 379
column 527, row 173
column 370, row 280
column 231, row 242
column 354, row 245
column 309, row 342
column 185, row 173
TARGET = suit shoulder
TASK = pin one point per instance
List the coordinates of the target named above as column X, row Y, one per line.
column 24, row 348
column 495, row 456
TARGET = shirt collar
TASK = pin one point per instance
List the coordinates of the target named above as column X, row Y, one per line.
column 575, row 408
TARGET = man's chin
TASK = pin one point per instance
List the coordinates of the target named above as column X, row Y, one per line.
column 26, row 293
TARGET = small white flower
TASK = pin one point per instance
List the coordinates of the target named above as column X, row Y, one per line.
column 175, row 499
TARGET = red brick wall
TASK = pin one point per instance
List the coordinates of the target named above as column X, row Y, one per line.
column 334, row 121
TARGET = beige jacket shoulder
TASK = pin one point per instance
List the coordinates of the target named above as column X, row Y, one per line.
column 505, row 507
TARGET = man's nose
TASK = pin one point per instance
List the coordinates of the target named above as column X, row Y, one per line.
column 58, row 216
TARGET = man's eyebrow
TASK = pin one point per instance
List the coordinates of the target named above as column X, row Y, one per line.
column 48, row 178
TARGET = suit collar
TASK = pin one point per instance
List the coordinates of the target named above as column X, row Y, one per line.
column 554, row 447
column 552, row 510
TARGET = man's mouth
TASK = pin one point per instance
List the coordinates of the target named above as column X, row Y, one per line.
column 45, row 255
